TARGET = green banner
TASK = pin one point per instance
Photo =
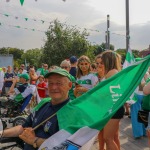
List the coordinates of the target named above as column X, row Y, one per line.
column 97, row 106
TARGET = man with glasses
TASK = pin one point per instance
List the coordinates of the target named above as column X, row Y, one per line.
column 23, row 67
column 58, row 86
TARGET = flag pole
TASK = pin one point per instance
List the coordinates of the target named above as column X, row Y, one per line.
column 43, row 122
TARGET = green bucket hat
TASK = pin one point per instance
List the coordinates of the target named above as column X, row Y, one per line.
column 59, row 71
column 25, row 76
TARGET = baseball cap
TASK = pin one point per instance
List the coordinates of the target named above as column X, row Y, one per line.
column 60, row 71
column 25, row 76
column 73, row 59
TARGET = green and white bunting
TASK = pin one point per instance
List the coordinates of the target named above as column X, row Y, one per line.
column 21, row 2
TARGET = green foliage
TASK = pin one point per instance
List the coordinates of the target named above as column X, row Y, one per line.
column 136, row 53
column 90, row 53
column 63, row 42
column 17, row 53
column 122, row 52
column 32, row 57
column 4, row 50
column 100, row 48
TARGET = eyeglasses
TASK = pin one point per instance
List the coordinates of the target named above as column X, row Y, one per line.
column 22, row 66
column 46, row 66
column 59, row 84
column 64, row 67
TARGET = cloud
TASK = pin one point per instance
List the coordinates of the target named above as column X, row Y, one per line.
column 72, row 12
column 140, row 37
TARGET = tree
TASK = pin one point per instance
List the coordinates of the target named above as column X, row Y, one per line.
column 32, row 57
column 63, row 42
column 122, row 52
column 17, row 53
column 100, row 48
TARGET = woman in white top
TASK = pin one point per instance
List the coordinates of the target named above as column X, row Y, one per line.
column 85, row 79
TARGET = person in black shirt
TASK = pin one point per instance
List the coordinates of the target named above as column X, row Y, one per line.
column 73, row 69
column 8, row 79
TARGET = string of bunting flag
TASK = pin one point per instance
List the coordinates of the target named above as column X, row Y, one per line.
column 44, row 21
column 18, row 26
column 22, row 1
column 26, row 18
column 32, row 29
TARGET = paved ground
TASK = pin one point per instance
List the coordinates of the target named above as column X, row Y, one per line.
column 126, row 138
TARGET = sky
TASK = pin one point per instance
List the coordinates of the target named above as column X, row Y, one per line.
column 89, row 14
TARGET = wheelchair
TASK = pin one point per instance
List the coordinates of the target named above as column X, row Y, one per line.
column 11, row 142
column 11, row 112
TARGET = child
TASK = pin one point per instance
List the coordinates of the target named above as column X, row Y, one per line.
column 41, row 87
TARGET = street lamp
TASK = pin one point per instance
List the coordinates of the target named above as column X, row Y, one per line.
column 107, row 35
column 127, row 26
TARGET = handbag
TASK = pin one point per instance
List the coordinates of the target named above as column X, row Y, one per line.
column 143, row 117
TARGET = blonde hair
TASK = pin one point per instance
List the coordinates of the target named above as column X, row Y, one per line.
column 111, row 60
column 82, row 58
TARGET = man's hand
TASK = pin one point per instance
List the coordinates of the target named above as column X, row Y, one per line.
column 15, row 80
column 28, row 136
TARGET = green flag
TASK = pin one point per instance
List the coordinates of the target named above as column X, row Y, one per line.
column 17, row 26
column 6, row 15
column 21, row 1
column 26, row 19
column 82, row 118
column 129, row 59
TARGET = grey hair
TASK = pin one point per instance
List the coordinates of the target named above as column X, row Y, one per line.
column 65, row 62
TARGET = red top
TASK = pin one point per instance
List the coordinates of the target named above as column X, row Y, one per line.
column 42, row 93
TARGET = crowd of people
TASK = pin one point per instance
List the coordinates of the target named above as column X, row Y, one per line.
column 63, row 83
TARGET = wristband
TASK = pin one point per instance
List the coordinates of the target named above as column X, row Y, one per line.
column 34, row 143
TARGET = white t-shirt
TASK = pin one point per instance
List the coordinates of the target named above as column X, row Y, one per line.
column 88, row 81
